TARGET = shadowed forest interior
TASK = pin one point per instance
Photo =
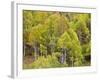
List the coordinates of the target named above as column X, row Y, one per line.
column 56, row 39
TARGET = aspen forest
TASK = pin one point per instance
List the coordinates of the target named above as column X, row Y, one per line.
column 53, row 39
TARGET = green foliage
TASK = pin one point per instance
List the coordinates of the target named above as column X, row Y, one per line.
column 57, row 39
column 86, row 49
column 39, row 17
column 67, row 41
column 35, row 34
column 27, row 19
column 42, row 62
column 64, row 41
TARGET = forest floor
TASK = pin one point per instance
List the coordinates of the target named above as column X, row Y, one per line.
column 28, row 59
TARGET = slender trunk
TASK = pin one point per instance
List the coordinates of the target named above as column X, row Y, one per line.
column 62, row 59
column 52, row 49
column 72, row 61
column 36, row 50
column 35, row 53
column 65, row 56
column 62, row 56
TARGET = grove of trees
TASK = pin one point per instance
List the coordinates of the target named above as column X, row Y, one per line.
column 56, row 39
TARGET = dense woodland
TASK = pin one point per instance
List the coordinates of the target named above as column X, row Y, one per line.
column 56, row 39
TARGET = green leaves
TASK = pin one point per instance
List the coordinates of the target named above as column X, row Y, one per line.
column 57, row 39
column 69, row 40
column 42, row 62
column 64, row 41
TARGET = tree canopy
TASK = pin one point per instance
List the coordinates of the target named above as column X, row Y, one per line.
column 56, row 39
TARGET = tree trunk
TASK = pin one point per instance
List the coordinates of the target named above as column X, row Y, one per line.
column 72, row 62
column 65, row 56
column 36, row 50
column 62, row 59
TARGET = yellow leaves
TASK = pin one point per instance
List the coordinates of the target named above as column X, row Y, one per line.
column 39, row 16
column 43, row 62
column 59, row 30
column 73, row 35
column 35, row 33
column 64, row 41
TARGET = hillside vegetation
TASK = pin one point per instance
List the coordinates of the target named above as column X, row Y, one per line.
column 56, row 39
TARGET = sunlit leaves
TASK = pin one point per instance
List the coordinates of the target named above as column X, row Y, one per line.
column 64, row 41
column 53, row 36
